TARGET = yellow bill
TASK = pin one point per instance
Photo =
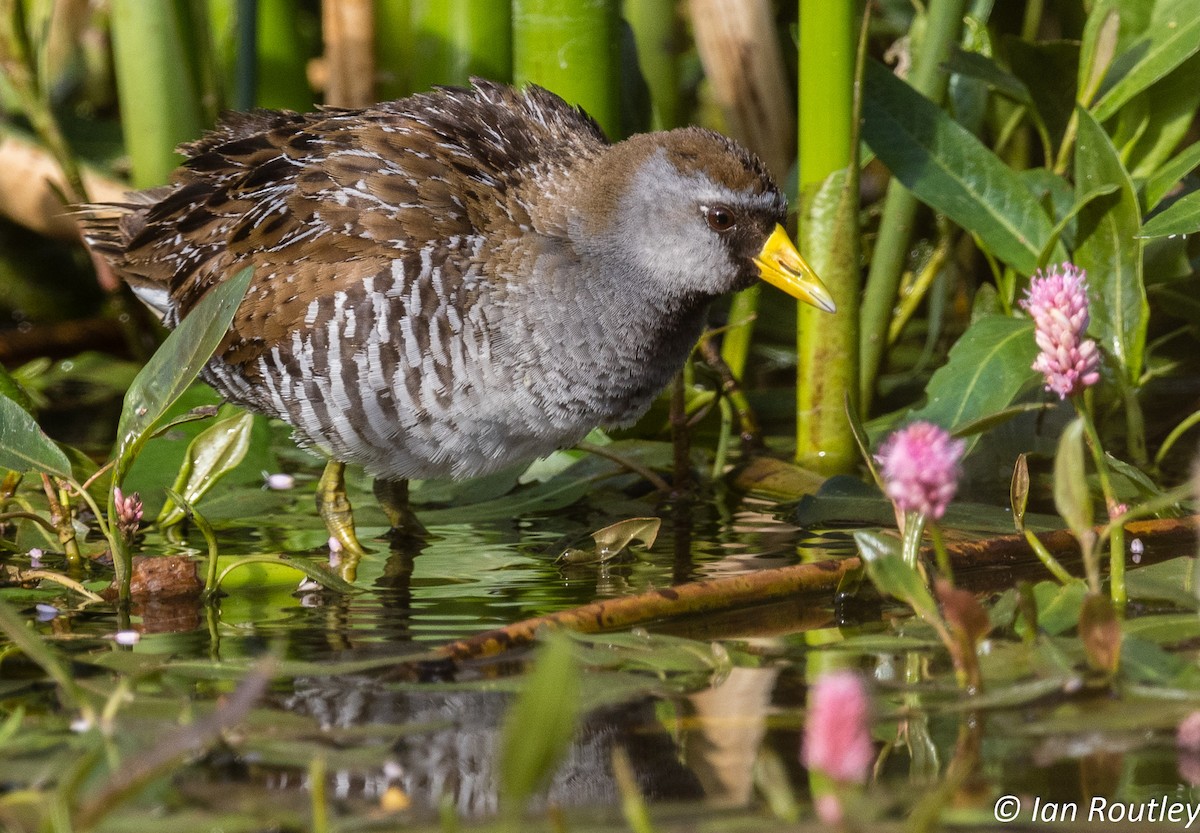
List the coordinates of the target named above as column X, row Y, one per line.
column 781, row 265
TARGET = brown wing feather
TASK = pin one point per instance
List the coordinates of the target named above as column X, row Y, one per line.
column 319, row 201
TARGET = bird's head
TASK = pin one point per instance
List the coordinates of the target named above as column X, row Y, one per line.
column 696, row 212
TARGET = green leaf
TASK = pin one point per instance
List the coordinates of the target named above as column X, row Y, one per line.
column 277, row 568
column 13, row 389
column 613, row 539
column 988, row 367
column 541, row 723
column 1170, row 107
column 1068, row 218
column 979, row 66
column 210, row 456
column 1108, row 247
column 1101, row 36
column 1071, row 496
column 1058, row 605
column 893, row 577
column 1166, row 177
column 1173, row 38
column 24, row 446
column 1048, row 72
column 1182, row 217
column 949, row 169
column 177, row 363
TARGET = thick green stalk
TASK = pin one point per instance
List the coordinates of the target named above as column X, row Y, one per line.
column 282, row 80
column 827, row 345
column 160, row 107
column 456, row 39
column 571, row 48
column 657, row 35
column 738, row 44
column 928, row 77
column 393, row 48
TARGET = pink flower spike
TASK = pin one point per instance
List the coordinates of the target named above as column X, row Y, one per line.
column 1057, row 302
column 129, row 512
column 1187, row 736
column 837, row 732
column 920, row 464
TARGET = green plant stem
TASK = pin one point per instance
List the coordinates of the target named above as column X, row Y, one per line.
column 63, row 522
column 914, row 531
column 58, row 578
column 939, row 550
column 245, row 87
column 1116, row 568
column 827, row 345
column 1051, row 563
column 572, row 49
column 721, row 455
column 1135, row 426
column 633, row 806
column 928, row 77
column 162, row 106
column 393, row 49
column 1172, row 438
column 319, row 801
column 657, row 32
column 453, row 40
column 1116, row 536
column 28, row 516
column 735, row 345
column 920, row 287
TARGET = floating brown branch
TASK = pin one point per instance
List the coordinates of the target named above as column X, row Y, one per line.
column 970, row 559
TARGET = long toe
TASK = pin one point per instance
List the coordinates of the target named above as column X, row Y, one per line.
column 393, row 499
column 334, row 508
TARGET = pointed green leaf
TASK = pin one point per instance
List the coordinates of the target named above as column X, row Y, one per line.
column 1108, row 247
column 989, row 366
column 1167, row 177
column 1182, row 217
column 1170, row 107
column 893, row 577
column 175, row 365
column 949, row 169
column 15, row 391
column 541, row 723
column 214, row 452
column 24, row 446
column 1071, row 496
column 1101, row 35
column 981, row 67
column 1173, row 37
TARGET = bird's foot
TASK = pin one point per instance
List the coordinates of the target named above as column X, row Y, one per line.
column 334, row 508
column 393, row 499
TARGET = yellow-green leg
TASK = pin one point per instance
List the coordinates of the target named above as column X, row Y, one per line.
column 393, row 499
column 334, row 508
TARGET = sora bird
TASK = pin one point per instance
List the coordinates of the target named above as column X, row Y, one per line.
column 453, row 282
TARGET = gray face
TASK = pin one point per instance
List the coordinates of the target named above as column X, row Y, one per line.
column 692, row 233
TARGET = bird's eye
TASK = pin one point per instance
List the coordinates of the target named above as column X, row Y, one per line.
column 720, row 218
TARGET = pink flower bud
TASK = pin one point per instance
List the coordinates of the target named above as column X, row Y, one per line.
column 1057, row 302
column 920, row 468
column 837, row 731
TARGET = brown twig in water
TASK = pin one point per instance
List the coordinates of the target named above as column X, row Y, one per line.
column 971, row 561
column 748, row 428
column 634, row 466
